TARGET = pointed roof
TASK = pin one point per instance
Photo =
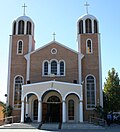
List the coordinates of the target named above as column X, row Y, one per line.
column 55, row 42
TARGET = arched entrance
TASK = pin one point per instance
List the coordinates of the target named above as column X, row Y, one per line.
column 52, row 107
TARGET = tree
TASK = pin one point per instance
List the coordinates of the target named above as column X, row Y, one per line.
column 112, row 91
column 7, row 110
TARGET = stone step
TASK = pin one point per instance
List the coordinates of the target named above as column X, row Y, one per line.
column 80, row 126
column 50, row 126
column 20, row 126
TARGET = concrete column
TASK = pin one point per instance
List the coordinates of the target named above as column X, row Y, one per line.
column 81, row 111
column 84, row 28
column 25, row 28
column 58, row 68
column 39, row 111
column 63, row 112
column 49, row 68
column 22, row 111
column 92, row 26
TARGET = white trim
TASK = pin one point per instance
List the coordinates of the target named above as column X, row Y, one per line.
column 30, row 44
column 25, row 27
column 71, row 93
column 79, row 69
column 92, row 26
column 49, row 68
column 85, row 16
column 100, row 71
column 18, row 47
column 57, row 82
column 87, row 46
column 27, row 57
column 64, row 67
column 51, row 89
column 54, row 50
column 43, row 67
column 9, row 69
column 23, row 97
column 14, row 90
column 84, row 27
column 86, row 90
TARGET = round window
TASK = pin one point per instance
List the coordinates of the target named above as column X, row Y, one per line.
column 53, row 51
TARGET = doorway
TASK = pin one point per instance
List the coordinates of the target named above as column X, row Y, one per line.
column 52, row 111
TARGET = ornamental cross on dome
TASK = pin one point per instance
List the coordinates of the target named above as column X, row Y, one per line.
column 24, row 6
column 87, row 5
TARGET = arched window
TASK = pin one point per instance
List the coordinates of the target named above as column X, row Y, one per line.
column 62, row 68
column 54, row 67
column 89, row 46
column 28, row 27
column 46, row 68
column 90, row 91
column 14, row 28
column 53, row 99
column 35, row 109
column 95, row 27
column 71, row 109
column 81, row 27
column 88, row 26
column 17, row 91
column 21, row 27
column 20, row 47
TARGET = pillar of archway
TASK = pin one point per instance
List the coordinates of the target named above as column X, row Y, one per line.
column 22, row 111
column 63, row 111
column 81, row 111
column 39, row 111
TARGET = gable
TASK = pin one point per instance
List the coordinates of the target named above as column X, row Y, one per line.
column 54, row 43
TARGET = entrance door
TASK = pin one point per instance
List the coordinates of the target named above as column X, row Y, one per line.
column 53, row 110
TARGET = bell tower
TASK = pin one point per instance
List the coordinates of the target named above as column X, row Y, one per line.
column 88, row 37
column 21, row 43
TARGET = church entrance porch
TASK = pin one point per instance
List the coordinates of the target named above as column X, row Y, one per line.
column 52, row 102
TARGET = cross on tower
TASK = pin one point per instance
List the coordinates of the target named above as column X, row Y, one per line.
column 54, row 36
column 86, row 4
column 24, row 6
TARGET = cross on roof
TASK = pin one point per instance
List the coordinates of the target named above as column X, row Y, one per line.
column 54, row 36
column 86, row 4
column 24, row 6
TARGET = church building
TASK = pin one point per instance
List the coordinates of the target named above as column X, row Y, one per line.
column 55, row 83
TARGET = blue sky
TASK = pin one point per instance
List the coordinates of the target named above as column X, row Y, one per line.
column 60, row 16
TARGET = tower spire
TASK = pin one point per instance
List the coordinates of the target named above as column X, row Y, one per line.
column 24, row 6
column 87, row 5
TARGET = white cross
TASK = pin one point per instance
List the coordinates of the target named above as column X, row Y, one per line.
column 86, row 4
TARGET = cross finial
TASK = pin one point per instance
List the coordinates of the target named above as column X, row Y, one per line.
column 54, row 36
column 24, row 6
column 86, row 4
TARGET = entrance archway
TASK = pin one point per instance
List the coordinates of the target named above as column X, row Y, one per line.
column 52, row 107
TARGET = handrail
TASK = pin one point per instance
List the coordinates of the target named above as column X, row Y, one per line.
column 97, row 121
column 5, row 120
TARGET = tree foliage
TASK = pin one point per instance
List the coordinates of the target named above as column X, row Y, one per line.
column 112, row 91
column 7, row 110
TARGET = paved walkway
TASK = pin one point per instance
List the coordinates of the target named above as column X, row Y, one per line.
column 67, row 127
